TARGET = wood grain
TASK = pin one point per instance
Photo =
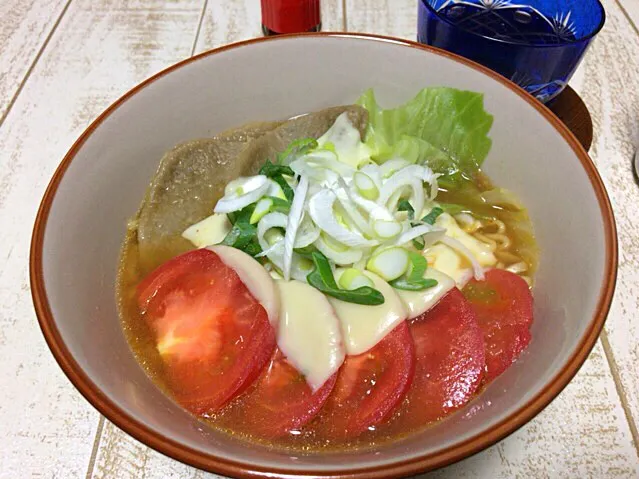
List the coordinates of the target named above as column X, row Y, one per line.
column 631, row 8
column 582, row 434
column 233, row 21
column 609, row 85
column 24, row 27
column 100, row 49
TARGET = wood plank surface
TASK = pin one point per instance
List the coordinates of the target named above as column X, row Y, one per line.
column 631, row 7
column 609, row 85
column 100, row 49
column 234, row 21
column 25, row 26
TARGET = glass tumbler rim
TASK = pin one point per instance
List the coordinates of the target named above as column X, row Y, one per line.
column 582, row 39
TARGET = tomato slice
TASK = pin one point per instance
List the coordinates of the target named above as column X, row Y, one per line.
column 450, row 362
column 370, row 385
column 213, row 335
column 279, row 402
column 504, row 307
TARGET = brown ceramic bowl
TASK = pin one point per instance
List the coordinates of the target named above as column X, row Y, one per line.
column 102, row 179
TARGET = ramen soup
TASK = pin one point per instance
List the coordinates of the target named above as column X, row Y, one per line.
column 341, row 279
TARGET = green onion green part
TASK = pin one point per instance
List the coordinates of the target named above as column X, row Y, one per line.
column 322, row 279
column 431, row 217
column 404, row 205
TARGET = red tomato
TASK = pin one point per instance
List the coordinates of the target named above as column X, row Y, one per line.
column 504, row 307
column 213, row 335
column 449, row 366
column 370, row 385
column 280, row 401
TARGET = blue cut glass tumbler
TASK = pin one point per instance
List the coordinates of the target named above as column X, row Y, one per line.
column 537, row 44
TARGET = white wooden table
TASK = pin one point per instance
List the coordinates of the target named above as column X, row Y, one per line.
column 63, row 61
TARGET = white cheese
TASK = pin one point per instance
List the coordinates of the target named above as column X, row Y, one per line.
column 418, row 302
column 480, row 250
column 365, row 326
column 209, row 231
column 446, row 260
column 309, row 332
column 256, row 279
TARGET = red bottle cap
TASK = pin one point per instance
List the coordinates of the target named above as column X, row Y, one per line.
column 290, row 16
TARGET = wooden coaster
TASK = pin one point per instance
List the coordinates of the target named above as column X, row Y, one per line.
column 572, row 111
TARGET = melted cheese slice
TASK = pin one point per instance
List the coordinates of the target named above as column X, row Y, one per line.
column 211, row 230
column 446, row 260
column 365, row 326
column 309, row 332
column 480, row 250
column 255, row 278
column 418, row 302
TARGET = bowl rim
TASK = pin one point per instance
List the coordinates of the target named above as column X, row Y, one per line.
column 426, row 462
column 581, row 40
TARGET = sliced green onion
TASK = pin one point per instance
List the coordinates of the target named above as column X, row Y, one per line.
column 239, row 236
column 272, row 170
column 390, row 167
column 414, row 279
column 390, row 263
column 292, row 227
column 322, row 211
column 286, row 188
column 307, row 234
column 387, row 229
column 427, row 233
column 349, row 211
column 275, row 190
column 352, row 279
column 252, row 189
column 306, row 252
column 274, row 235
column 417, row 267
column 334, row 244
column 280, row 205
column 420, row 285
column 431, row 217
column 330, row 146
column 243, row 235
column 418, row 243
column 322, row 279
column 365, row 186
column 394, row 187
column 337, row 252
column 404, row 205
column 261, row 208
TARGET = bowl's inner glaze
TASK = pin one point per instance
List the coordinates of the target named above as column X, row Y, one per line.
column 278, row 79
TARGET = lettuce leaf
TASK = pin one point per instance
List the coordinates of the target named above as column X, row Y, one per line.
column 445, row 128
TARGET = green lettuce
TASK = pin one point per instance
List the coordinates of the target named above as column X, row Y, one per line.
column 444, row 128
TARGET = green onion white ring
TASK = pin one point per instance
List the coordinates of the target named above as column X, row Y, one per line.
column 320, row 208
column 253, row 189
column 294, row 220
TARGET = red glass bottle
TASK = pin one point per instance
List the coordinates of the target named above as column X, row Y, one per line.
column 290, row 16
